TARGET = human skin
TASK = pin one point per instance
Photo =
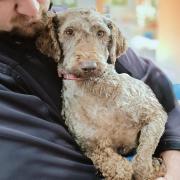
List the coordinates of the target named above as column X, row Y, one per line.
column 22, row 16
column 172, row 161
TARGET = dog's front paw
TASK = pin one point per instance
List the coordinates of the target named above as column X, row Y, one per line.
column 143, row 169
column 159, row 167
column 119, row 170
column 124, row 171
column 148, row 170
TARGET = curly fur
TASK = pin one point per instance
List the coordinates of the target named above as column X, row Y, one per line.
column 104, row 110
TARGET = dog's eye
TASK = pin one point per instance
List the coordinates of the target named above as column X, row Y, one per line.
column 100, row 33
column 110, row 26
column 69, row 32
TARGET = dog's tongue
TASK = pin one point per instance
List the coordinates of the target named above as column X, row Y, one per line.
column 70, row 77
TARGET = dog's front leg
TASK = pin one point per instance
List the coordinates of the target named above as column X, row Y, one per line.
column 112, row 165
column 99, row 150
column 145, row 167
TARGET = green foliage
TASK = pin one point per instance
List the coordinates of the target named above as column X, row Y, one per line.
column 154, row 3
column 68, row 3
column 119, row 2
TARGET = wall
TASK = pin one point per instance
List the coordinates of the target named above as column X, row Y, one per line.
column 168, row 54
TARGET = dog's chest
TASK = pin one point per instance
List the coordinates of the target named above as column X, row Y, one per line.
column 86, row 106
column 84, row 110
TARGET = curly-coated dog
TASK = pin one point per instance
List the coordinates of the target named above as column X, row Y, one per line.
column 104, row 110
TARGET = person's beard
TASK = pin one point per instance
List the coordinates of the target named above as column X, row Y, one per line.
column 26, row 27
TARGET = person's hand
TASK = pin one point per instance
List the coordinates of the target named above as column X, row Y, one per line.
column 172, row 162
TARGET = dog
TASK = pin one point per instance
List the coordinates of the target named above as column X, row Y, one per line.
column 104, row 111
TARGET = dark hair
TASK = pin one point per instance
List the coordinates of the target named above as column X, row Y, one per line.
column 51, row 4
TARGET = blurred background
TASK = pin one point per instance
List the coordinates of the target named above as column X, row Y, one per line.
column 152, row 28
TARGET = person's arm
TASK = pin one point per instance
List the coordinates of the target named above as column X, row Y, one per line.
column 145, row 70
column 172, row 160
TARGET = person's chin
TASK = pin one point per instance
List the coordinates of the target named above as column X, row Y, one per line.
column 27, row 31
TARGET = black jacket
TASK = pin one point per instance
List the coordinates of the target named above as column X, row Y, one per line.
column 34, row 142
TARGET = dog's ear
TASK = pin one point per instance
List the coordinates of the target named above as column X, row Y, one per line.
column 48, row 40
column 117, row 43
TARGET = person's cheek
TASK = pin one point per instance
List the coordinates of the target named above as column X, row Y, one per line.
column 45, row 4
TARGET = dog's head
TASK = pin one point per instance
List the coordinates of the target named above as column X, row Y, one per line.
column 81, row 41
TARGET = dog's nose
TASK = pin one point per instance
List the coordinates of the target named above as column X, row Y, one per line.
column 88, row 65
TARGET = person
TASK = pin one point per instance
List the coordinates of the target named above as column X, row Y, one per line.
column 34, row 141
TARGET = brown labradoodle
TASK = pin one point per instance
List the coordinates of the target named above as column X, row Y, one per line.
column 102, row 109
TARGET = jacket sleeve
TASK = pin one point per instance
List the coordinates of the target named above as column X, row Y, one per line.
column 148, row 72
